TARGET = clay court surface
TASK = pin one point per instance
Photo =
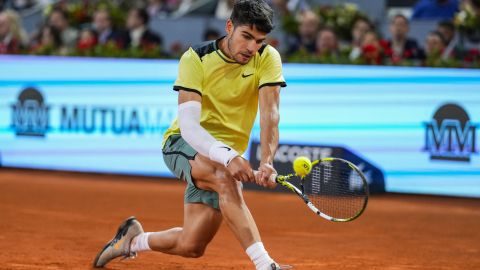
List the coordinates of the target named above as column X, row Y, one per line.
column 52, row 220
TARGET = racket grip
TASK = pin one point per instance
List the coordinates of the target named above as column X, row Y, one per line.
column 272, row 178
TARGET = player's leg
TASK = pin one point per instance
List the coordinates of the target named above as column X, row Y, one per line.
column 211, row 176
column 200, row 224
column 211, row 184
column 202, row 205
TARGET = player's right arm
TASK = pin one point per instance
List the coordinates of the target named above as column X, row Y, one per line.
column 189, row 84
column 189, row 112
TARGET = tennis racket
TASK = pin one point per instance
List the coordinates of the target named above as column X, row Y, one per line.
column 335, row 189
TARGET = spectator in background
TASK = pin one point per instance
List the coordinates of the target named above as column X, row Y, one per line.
column 447, row 30
column 372, row 51
column 59, row 19
column 211, row 34
column 435, row 9
column 49, row 41
column 161, row 8
column 360, row 27
column 224, row 9
column 400, row 47
column 22, row 4
column 139, row 35
column 434, row 45
column 309, row 25
column 12, row 36
column 8, row 43
column 293, row 6
column 17, row 28
column 87, row 40
column 102, row 23
column 326, row 44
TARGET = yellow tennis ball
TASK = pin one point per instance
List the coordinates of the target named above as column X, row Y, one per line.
column 302, row 166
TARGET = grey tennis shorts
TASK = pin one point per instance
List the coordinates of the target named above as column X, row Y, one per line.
column 177, row 154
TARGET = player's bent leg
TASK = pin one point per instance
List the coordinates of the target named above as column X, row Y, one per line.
column 208, row 175
column 201, row 223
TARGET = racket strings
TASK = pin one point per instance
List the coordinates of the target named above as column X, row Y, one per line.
column 336, row 189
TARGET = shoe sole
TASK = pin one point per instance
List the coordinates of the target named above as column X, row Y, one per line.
column 122, row 230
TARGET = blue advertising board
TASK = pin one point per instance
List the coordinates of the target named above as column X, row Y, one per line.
column 419, row 126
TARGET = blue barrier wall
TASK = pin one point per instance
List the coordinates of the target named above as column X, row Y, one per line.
column 418, row 125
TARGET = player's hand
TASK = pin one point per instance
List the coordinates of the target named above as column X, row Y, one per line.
column 265, row 171
column 241, row 170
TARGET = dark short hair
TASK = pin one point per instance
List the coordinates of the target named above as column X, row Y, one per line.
column 56, row 35
column 364, row 19
column 254, row 13
column 60, row 11
column 142, row 14
column 104, row 10
column 447, row 24
column 439, row 35
column 402, row 17
column 327, row 29
column 210, row 32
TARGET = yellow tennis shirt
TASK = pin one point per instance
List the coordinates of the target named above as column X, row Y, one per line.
column 229, row 90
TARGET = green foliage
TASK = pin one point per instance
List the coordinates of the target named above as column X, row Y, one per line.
column 467, row 20
column 340, row 18
column 112, row 50
column 80, row 13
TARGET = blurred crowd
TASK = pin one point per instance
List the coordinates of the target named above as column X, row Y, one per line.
column 446, row 45
column 312, row 34
column 57, row 35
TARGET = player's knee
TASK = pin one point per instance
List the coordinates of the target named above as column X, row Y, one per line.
column 193, row 250
column 225, row 182
column 227, row 186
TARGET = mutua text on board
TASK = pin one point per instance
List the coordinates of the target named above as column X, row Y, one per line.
column 32, row 116
column 112, row 119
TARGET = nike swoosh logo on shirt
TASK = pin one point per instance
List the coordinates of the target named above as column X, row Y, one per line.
column 245, row 76
column 228, row 148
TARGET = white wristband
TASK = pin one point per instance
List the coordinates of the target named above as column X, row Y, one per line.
column 222, row 153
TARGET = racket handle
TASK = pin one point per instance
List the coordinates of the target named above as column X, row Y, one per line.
column 273, row 177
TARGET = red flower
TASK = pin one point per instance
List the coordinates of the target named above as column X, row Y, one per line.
column 369, row 48
column 371, row 53
column 472, row 55
column 474, row 52
column 387, row 50
column 87, row 44
column 408, row 53
column 396, row 59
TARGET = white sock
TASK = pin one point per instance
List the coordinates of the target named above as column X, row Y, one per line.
column 141, row 243
column 259, row 256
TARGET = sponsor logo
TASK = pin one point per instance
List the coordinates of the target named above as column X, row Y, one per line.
column 451, row 134
column 30, row 114
column 248, row 75
column 287, row 153
column 228, row 148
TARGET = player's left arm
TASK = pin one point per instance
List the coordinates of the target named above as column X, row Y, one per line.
column 269, row 101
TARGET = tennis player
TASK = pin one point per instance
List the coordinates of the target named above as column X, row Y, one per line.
column 220, row 86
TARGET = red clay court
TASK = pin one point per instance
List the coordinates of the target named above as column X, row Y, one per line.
column 52, row 220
